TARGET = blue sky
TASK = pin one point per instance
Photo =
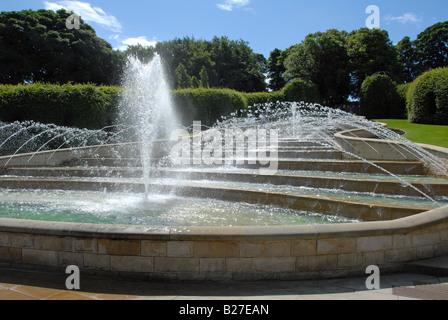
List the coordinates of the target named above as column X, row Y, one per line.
column 265, row 24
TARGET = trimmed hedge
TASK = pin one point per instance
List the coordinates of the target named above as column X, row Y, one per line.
column 81, row 106
column 300, row 91
column 207, row 105
column 380, row 99
column 95, row 107
column 427, row 98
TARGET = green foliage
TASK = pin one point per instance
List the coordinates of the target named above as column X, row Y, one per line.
column 428, row 98
column 227, row 63
column 82, row 106
column 300, row 91
column 204, row 79
column 428, row 51
column 370, row 52
column 207, row 105
column 431, row 46
column 276, row 69
column 183, row 79
column 381, row 99
column 322, row 58
column 36, row 46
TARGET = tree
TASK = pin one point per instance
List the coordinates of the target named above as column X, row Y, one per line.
column 371, row 51
column 37, row 46
column 228, row 63
column 237, row 66
column 276, row 69
column 432, row 47
column 407, row 56
column 322, row 58
column 203, row 78
column 183, row 79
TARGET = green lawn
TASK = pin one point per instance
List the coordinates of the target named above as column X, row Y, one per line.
column 420, row 133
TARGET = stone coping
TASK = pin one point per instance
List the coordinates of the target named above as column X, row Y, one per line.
column 357, row 135
column 175, row 233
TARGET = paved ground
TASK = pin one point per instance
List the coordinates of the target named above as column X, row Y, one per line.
column 403, row 286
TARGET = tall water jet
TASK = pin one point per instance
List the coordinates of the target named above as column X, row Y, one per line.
column 146, row 105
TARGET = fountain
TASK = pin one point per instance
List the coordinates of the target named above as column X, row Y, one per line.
column 283, row 191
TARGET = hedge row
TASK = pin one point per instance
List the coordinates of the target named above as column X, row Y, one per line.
column 206, row 105
column 427, row 98
column 82, row 106
column 95, row 107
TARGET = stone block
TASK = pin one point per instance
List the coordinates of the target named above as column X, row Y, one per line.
column 374, row 243
column 212, row 249
column 303, row 248
column 52, row 243
column 85, row 245
column 40, row 257
column 401, row 255
column 22, row 240
column 212, row 265
column 5, row 239
column 373, row 258
column 96, row 261
column 317, row 263
column 425, row 238
column 335, row 246
column 70, row 258
column 180, row 249
column 154, row 248
column 265, row 249
column 349, row 260
column 273, row 265
column 239, row 265
column 119, row 247
column 132, row 264
column 10, row 254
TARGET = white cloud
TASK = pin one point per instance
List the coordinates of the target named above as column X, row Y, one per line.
column 229, row 5
column 407, row 18
column 87, row 13
column 137, row 41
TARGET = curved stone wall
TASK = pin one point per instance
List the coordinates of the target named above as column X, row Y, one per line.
column 237, row 253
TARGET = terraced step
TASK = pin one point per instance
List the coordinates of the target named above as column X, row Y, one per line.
column 377, row 185
column 367, row 211
column 376, row 167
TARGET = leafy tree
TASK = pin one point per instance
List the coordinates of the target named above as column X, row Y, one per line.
column 37, row 46
column 183, row 79
column 204, row 79
column 228, row 63
column 432, row 47
column 276, row 69
column 407, row 56
column 371, row 51
column 322, row 58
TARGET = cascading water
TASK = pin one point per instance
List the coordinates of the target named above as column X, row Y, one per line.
column 146, row 105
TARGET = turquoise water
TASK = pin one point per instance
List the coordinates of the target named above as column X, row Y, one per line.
column 136, row 209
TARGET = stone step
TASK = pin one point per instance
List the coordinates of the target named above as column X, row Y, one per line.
column 355, row 166
column 377, row 185
column 367, row 211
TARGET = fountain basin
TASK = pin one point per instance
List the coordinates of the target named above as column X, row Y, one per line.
column 224, row 253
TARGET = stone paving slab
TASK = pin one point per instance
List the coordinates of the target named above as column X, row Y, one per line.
column 17, row 285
